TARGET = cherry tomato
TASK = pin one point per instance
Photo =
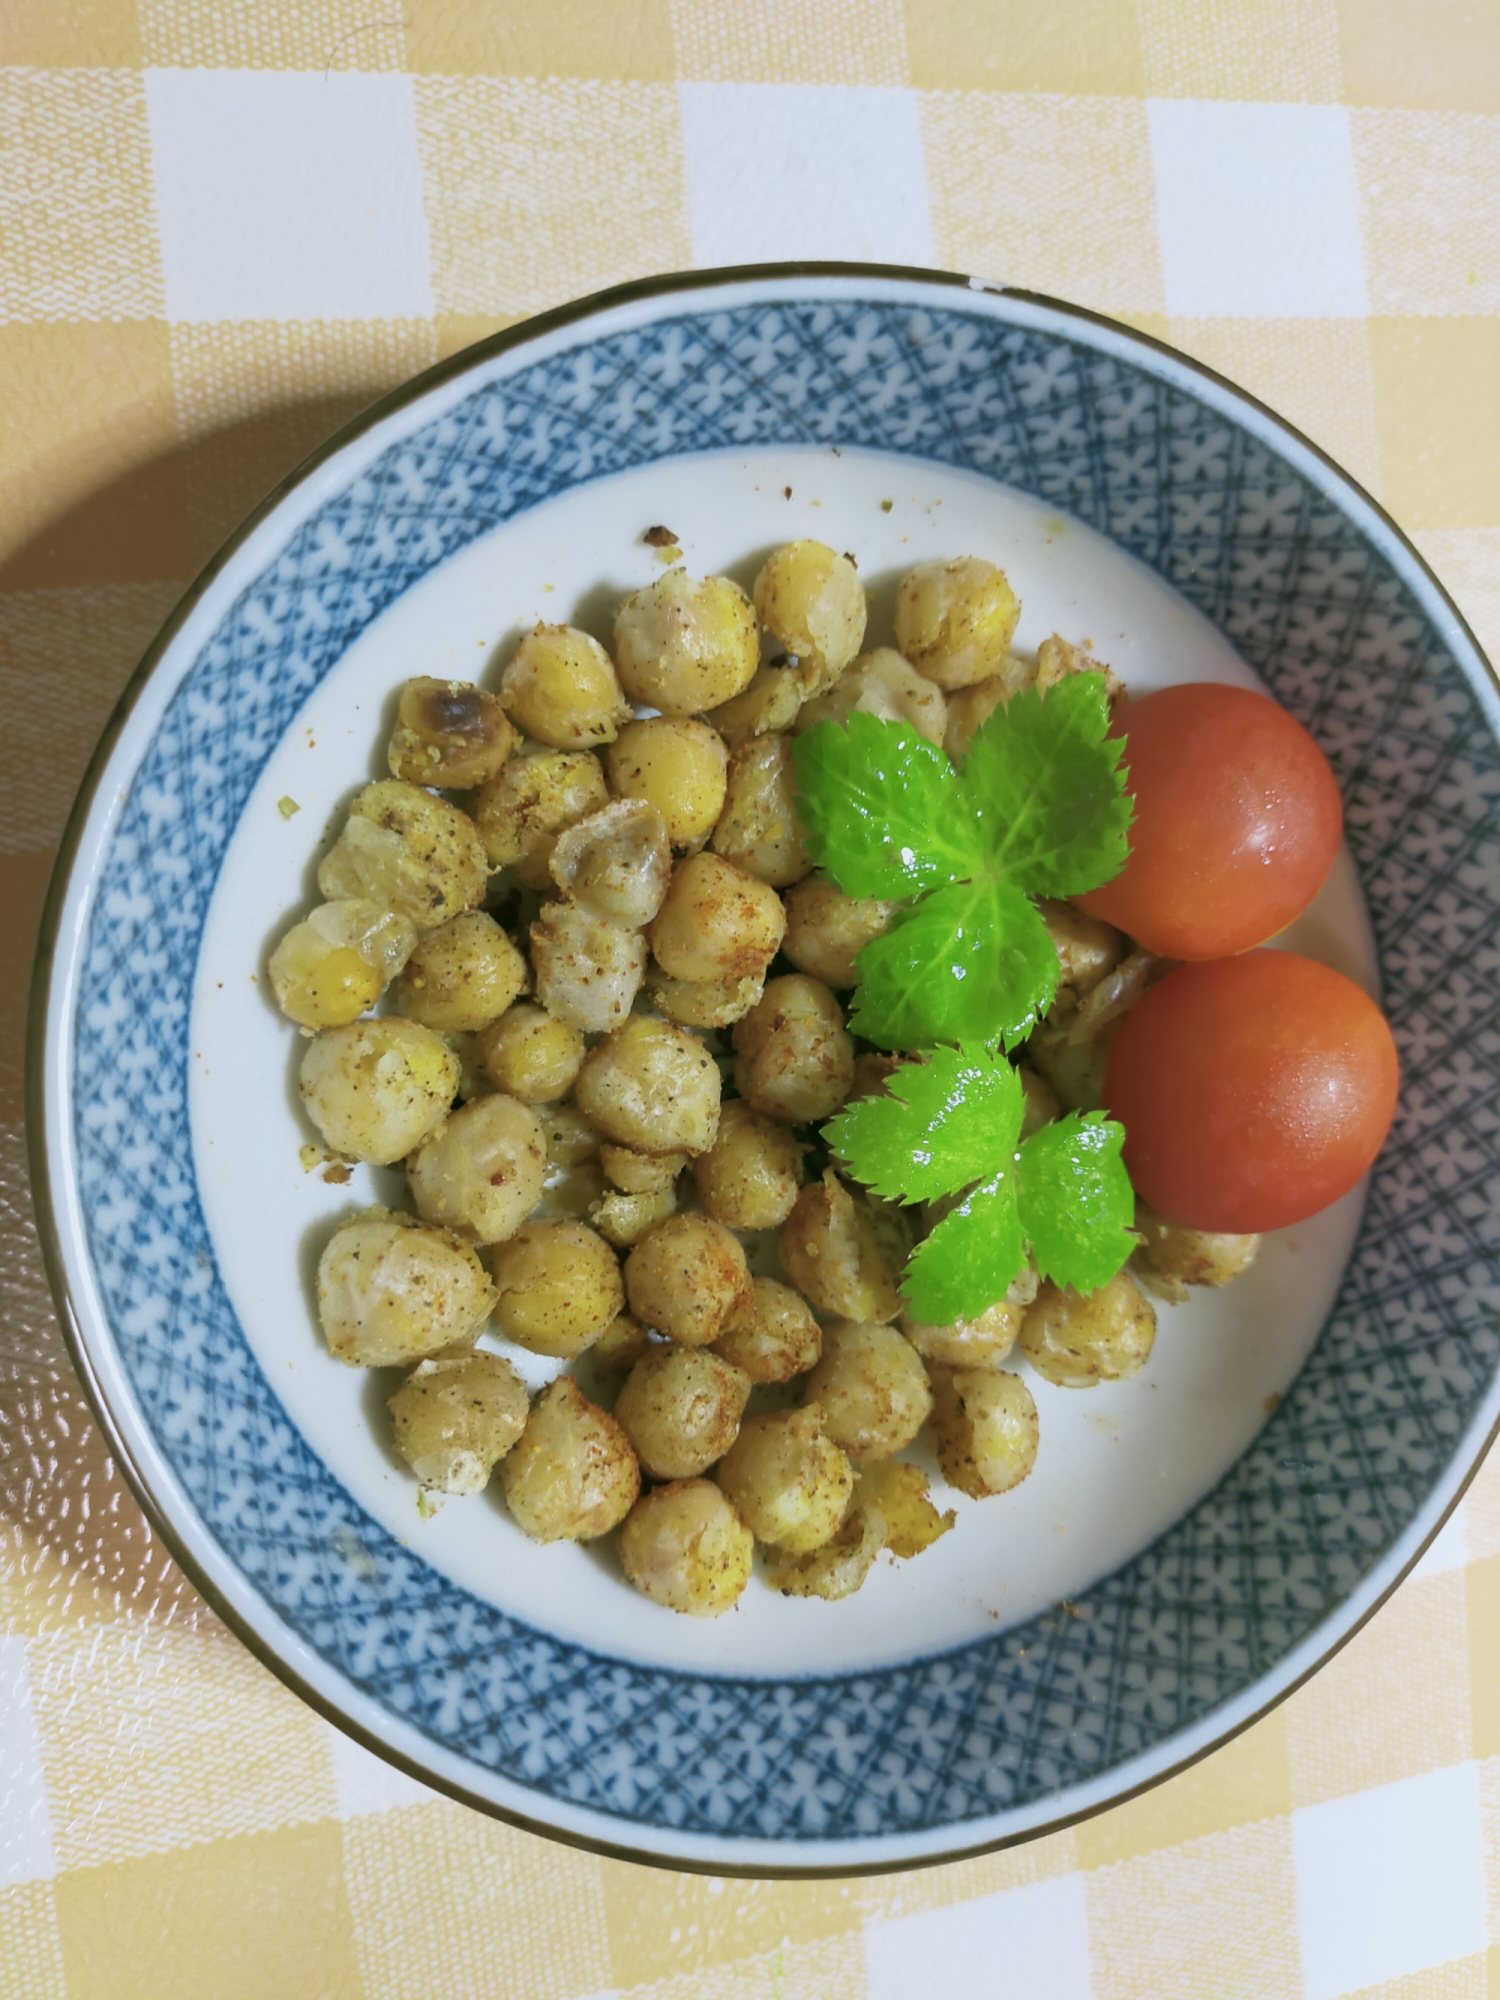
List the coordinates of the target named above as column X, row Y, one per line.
column 1253, row 1091
column 1237, row 822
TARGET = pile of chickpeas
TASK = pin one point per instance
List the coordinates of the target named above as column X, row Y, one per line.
column 615, row 1022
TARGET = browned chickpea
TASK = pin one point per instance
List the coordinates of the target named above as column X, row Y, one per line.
column 681, row 1410
column 462, row 975
column 826, row 930
column 685, row 1277
column 559, row 1287
column 561, row 688
column 1172, row 1257
column 788, row 1483
column 758, row 829
column 529, row 1054
column 793, row 1056
column 686, row 643
column 454, row 1419
column 651, row 1087
column 844, row 1251
column 521, row 813
column 871, row 1388
column 573, row 1476
column 771, row 1333
column 1077, row 1340
column 984, row 1424
column 717, row 922
column 449, row 734
column 677, row 764
column 749, row 1177
column 684, row 1547
column 640, row 1173
column 982, row 1342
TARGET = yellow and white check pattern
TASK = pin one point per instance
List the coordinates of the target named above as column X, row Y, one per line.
column 226, row 226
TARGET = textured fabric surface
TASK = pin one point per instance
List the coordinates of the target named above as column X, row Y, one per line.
column 223, row 230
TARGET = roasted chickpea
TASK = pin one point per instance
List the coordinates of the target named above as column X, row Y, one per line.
column 685, row 1277
column 681, row 1410
column 839, row 1567
column 481, row 1174
column 793, row 1056
column 335, row 964
column 703, row 1003
column 455, row 1419
column 717, row 922
column 1087, row 947
column 971, row 707
column 588, row 972
column 640, row 1173
column 749, row 1177
column 984, row 1425
column 572, row 1477
column 449, row 734
column 619, row 1347
column 684, row 1547
column 623, row 1219
column 788, row 1483
column 771, row 1333
column 530, row 1054
column 521, row 813
column 409, row 852
column 391, row 1290
column 461, row 976
column 616, row 863
column 844, row 1251
column 871, row 1387
column 955, row 620
column 883, row 685
column 558, row 1286
column 560, row 687
column 677, row 764
column 1076, row 1340
column 375, row 1089
column 900, row 1494
column 571, row 1137
column 770, row 702
column 982, row 1342
column 758, row 829
column 574, row 1180
column 684, row 644
column 1057, row 658
column 826, row 930
column 652, row 1087
column 812, row 600
column 1173, row 1257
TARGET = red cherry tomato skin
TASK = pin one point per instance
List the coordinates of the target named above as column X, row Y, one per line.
column 1237, row 822
column 1253, row 1091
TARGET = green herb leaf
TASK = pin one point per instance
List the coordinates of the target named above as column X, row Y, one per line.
column 1044, row 780
column 969, row 1260
column 942, row 1114
column 971, row 962
column 1076, row 1202
column 882, row 809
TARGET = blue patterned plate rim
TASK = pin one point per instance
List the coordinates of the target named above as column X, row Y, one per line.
column 995, row 1741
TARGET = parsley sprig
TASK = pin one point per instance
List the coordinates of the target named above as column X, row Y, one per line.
column 951, row 1124
column 1039, row 809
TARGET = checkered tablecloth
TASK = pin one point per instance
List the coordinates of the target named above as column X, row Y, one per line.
column 225, row 226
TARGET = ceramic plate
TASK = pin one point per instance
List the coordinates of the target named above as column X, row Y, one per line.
column 1194, row 1540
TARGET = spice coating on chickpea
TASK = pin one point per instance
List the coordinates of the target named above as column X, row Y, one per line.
column 811, row 599
column 616, row 864
column 449, row 734
column 981, row 1342
column 749, row 1177
column 453, row 1420
column 704, row 1003
column 520, row 813
column 881, row 684
column 984, row 1424
column 335, row 964
column 1077, row 1340
column 409, row 852
column 1172, row 1257
column 572, row 1477
column 392, row 1290
column 653, row 1087
column 758, row 829
column 845, row 1251
column 461, row 976
column 955, row 620
column 375, row 1089
column 793, row 1056
column 717, row 923
column 558, row 1287
column 640, row 1173
column 481, row 1174
column 771, row 1334
column 770, row 702
column 560, row 688
column 871, row 1387
column 788, row 1483
column 681, row 1409
column 826, row 930
column 685, row 1277
column 677, row 764
column 530, row 1054
column 588, row 971
column 683, row 1546
column 623, row 1219
column 684, row 644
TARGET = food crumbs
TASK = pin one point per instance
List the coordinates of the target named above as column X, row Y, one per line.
column 786, row 493
column 1272, row 1402
column 287, row 806
column 659, row 537
column 548, row 588
column 886, row 506
column 337, row 1176
column 426, row 1506
column 311, row 1156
